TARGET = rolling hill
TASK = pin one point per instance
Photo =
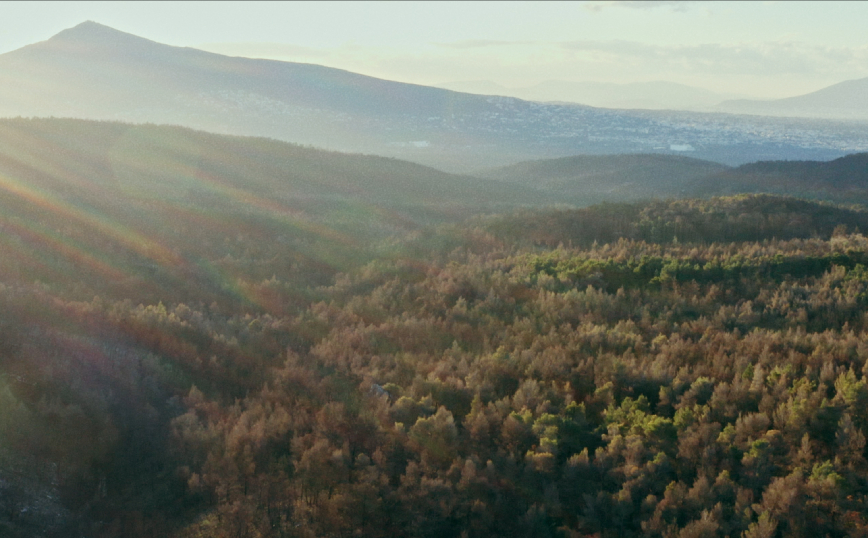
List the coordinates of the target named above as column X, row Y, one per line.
column 747, row 217
column 843, row 180
column 587, row 179
column 146, row 209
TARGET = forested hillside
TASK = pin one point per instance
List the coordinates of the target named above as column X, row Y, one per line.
column 588, row 179
column 844, row 180
column 195, row 344
column 730, row 219
column 153, row 213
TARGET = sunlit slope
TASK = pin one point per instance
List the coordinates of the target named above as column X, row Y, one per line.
column 842, row 180
column 585, row 179
column 150, row 208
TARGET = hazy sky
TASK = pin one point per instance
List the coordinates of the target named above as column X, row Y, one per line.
column 764, row 49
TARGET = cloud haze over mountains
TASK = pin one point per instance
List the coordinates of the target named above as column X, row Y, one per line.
column 845, row 100
column 659, row 95
column 767, row 50
column 95, row 72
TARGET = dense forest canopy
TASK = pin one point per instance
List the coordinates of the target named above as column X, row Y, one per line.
column 844, row 180
column 216, row 358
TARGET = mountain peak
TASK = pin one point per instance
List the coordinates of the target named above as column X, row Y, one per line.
column 90, row 31
column 91, row 25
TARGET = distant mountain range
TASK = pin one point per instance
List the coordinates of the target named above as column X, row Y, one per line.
column 95, row 72
column 656, row 95
column 847, row 100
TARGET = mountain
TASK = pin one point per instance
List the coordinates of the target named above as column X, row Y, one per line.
column 586, row 179
column 654, row 95
column 95, row 72
column 846, row 100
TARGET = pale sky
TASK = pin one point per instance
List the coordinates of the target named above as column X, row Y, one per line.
column 762, row 49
